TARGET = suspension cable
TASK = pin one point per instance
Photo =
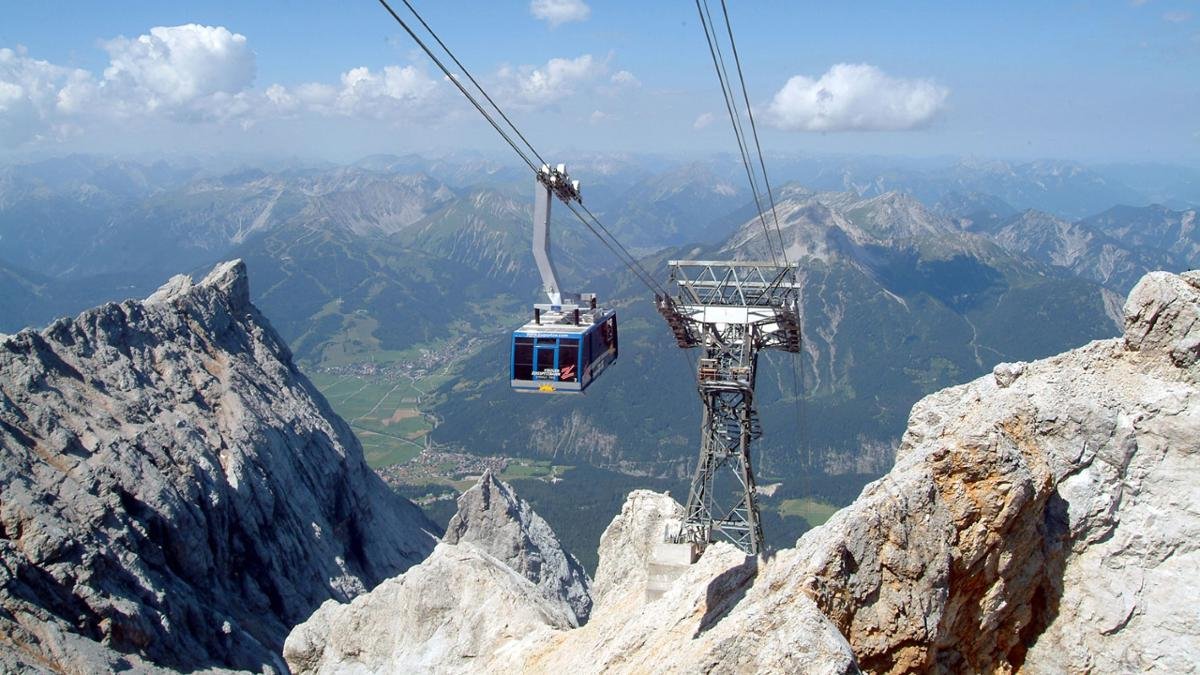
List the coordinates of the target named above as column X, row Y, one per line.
column 754, row 130
column 614, row 245
column 634, row 263
column 473, row 81
column 706, row 20
column 731, row 108
column 449, row 76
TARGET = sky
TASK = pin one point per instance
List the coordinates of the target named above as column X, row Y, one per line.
column 1116, row 80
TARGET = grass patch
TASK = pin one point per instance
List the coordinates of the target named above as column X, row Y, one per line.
column 815, row 512
column 532, row 468
column 382, row 412
column 383, row 451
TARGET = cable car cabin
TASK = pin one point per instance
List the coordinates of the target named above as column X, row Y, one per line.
column 559, row 357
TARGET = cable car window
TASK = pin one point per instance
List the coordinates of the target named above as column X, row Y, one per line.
column 600, row 340
column 615, row 342
column 568, row 361
column 546, row 341
column 523, row 359
column 545, row 359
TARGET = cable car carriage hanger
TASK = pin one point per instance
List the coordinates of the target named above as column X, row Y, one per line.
column 570, row 340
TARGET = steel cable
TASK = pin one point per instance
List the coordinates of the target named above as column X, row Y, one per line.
column 754, row 130
column 726, row 91
column 619, row 250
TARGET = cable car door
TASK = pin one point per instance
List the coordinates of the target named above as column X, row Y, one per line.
column 544, row 367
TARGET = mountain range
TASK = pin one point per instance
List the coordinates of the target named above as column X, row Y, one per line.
column 916, row 276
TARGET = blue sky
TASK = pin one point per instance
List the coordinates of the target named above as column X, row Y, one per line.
column 1113, row 80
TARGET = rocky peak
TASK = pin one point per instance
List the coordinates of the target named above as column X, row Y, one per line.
column 498, row 579
column 491, row 516
column 174, row 492
column 227, row 281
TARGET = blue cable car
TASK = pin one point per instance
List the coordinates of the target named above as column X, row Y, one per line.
column 561, row 358
column 570, row 340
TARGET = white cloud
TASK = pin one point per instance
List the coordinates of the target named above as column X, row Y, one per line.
column 1177, row 17
column 34, row 95
column 10, row 93
column 189, row 74
column 855, row 97
column 205, row 74
column 376, row 94
column 599, row 116
column 177, row 67
column 558, row 12
column 624, row 78
column 552, row 82
column 281, row 98
column 393, row 92
column 703, row 120
column 186, row 73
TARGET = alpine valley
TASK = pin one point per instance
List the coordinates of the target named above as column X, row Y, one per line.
column 394, row 281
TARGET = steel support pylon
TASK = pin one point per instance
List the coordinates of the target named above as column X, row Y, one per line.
column 732, row 311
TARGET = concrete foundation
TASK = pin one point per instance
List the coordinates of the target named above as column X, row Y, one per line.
column 667, row 563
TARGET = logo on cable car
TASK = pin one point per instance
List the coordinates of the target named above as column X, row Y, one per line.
column 546, row 388
column 566, row 373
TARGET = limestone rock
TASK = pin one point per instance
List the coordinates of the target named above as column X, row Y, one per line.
column 1163, row 314
column 725, row 614
column 456, row 612
column 628, row 542
column 491, row 516
column 175, row 493
column 1047, row 525
column 466, row 611
column 1007, row 373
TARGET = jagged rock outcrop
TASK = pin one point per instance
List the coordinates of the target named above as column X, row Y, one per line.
column 715, row 618
column 499, row 579
column 453, row 613
column 1041, row 518
column 175, row 493
column 627, row 544
column 1037, row 518
column 491, row 516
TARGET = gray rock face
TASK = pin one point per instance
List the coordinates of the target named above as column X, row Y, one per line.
column 491, row 516
column 174, row 492
column 1044, row 521
column 1163, row 315
column 463, row 610
column 628, row 542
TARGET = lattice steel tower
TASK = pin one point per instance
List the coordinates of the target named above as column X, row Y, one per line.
column 732, row 310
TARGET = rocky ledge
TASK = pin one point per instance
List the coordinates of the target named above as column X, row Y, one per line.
column 174, row 493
